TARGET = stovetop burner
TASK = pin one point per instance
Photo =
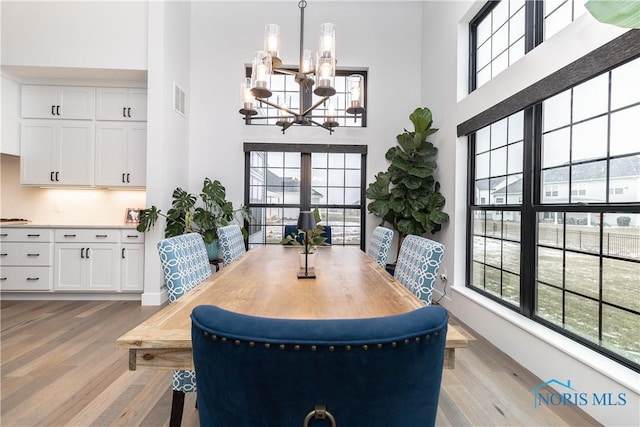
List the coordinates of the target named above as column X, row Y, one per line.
column 13, row 220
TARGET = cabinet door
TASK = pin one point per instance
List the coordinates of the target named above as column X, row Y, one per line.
column 75, row 153
column 39, row 102
column 76, row 102
column 56, row 152
column 38, row 152
column 70, row 267
column 111, row 153
column 137, row 101
column 137, row 155
column 57, row 102
column 132, row 267
column 103, row 267
column 111, row 104
column 86, row 267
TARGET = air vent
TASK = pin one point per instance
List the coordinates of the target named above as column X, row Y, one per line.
column 179, row 100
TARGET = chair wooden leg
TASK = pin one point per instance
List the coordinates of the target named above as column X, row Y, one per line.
column 177, row 405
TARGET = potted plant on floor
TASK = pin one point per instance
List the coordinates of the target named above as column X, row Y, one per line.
column 313, row 238
column 186, row 215
column 407, row 195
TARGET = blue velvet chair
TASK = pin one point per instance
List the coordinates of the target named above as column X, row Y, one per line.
column 380, row 245
column 293, row 229
column 231, row 243
column 417, row 265
column 185, row 264
column 375, row 372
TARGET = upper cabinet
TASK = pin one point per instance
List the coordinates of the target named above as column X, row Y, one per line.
column 121, row 104
column 57, row 152
column 121, row 154
column 58, row 102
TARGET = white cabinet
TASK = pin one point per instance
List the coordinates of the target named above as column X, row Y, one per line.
column 57, row 152
column 58, row 102
column 121, row 104
column 87, row 260
column 26, row 258
column 121, row 154
column 132, row 261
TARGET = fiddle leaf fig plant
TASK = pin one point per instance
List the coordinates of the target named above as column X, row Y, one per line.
column 407, row 196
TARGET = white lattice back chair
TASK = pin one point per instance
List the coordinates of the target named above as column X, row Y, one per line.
column 417, row 265
column 231, row 243
column 185, row 264
column 380, row 245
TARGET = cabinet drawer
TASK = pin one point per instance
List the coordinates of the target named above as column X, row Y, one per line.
column 24, row 254
column 26, row 235
column 131, row 236
column 25, row 279
column 87, row 235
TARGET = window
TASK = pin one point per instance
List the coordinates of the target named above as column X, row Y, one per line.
column 569, row 256
column 560, row 13
column 284, row 179
column 286, row 92
column 497, row 39
column 505, row 30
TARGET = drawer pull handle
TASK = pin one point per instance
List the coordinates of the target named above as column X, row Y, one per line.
column 132, row 236
column 3, row 235
column 33, row 235
column 101, row 235
column 32, row 278
column 33, row 254
column 3, row 278
column 3, row 254
column 69, row 235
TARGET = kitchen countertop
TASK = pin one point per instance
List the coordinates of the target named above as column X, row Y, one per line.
column 20, row 224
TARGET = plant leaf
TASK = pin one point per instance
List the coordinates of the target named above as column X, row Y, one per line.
column 622, row 13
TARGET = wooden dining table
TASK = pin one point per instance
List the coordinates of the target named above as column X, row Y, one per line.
column 264, row 282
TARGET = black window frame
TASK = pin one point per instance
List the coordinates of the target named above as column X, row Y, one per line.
column 306, row 150
column 603, row 59
column 307, row 97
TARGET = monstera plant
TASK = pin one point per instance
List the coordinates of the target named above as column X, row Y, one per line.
column 188, row 214
column 407, row 196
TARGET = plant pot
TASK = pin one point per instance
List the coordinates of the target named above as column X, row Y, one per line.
column 213, row 249
column 311, row 261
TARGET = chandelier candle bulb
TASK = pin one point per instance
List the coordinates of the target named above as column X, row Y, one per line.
column 272, row 43
column 328, row 40
column 260, row 71
column 246, row 98
column 307, row 61
column 355, row 83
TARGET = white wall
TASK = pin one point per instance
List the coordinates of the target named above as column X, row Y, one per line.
column 384, row 36
column 546, row 353
column 168, row 144
column 82, row 34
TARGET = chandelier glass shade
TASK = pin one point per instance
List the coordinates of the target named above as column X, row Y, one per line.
column 315, row 71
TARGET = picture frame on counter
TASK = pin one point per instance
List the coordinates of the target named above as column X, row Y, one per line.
column 132, row 216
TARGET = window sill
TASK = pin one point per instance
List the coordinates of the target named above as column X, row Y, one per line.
column 596, row 361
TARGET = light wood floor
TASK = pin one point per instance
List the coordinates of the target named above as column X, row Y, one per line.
column 60, row 367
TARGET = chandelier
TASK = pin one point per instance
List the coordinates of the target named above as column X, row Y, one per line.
column 317, row 70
